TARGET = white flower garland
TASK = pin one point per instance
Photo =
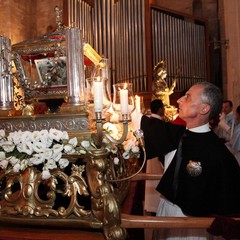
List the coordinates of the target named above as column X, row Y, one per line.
column 21, row 149
column 130, row 145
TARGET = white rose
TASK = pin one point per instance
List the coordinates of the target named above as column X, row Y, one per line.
column 47, row 154
column 16, row 167
column 69, row 149
column 3, row 163
column 36, row 159
column 13, row 160
column 135, row 149
column 73, row 141
column 65, row 135
column 36, row 136
column 116, row 160
column 2, row 156
column 126, row 155
column 128, row 145
column 46, row 174
column 112, row 129
column 25, row 136
column 51, row 164
column 15, row 137
column 25, row 147
column 23, row 164
column 63, row 162
column 57, row 148
column 107, row 125
column 2, row 133
column 85, row 144
column 43, row 134
column 39, row 147
column 55, row 134
column 47, row 141
column 20, row 147
column 8, row 146
column 56, row 156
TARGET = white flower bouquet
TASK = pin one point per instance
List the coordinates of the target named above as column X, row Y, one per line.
column 125, row 154
column 22, row 149
column 130, row 146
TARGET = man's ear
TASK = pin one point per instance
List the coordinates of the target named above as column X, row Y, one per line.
column 160, row 111
column 205, row 109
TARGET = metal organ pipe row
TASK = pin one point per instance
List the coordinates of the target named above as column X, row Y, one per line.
column 181, row 44
column 116, row 30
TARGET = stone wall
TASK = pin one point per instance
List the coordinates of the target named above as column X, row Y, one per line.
column 15, row 19
column 179, row 6
column 25, row 19
column 46, row 17
column 232, row 51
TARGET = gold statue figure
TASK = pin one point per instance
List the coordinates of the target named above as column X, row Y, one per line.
column 160, row 87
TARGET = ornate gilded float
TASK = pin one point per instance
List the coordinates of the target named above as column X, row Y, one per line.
column 57, row 181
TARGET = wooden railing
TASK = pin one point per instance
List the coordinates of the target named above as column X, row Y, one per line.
column 135, row 221
column 150, row 222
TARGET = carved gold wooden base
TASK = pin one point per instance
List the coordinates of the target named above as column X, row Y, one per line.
column 79, row 196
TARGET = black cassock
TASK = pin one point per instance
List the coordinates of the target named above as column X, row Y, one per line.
column 216, row 191
column 160, row 137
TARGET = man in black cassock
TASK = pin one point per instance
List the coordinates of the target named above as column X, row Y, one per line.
column 203, row 178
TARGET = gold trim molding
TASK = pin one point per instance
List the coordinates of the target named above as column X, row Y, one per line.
column 62, row 121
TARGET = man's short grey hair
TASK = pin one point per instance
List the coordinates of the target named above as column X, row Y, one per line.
column 211, row 95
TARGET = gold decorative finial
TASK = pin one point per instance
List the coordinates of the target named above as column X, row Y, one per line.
column 59, row 22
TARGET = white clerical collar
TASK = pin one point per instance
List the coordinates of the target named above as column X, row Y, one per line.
column 201, row 129
column 153, row 115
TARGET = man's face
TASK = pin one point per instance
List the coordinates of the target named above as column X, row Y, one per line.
column 190, row 105
column 226, row 108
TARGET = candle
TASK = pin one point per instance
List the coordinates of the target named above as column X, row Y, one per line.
column 98, row 96
column 124, row 101
column 138, row 104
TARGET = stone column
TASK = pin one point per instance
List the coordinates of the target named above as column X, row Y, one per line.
column 232, row 34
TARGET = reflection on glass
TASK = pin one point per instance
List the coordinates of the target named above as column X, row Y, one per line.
column 139, row 104
column 103, row 70
column 6, row 83
column 91, row 54
column 75, row 67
